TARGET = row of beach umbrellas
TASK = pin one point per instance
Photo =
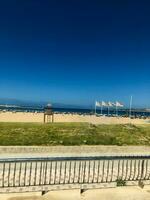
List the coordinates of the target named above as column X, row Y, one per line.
column 103, row 104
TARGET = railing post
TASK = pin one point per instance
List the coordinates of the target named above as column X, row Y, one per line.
column 83, row 190
column 44, row 192
column 140, row 183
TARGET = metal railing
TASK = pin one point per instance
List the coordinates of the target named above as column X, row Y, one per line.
column 23, row 172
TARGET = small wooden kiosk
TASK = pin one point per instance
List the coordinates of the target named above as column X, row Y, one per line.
column 48, row 114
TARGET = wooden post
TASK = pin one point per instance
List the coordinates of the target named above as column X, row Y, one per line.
column 52, row 117
column 44, row 117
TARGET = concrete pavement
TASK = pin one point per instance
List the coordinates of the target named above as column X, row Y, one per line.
column 33, row 151
column 119, row 193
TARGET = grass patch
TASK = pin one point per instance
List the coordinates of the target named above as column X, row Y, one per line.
column 120, row 182
column 73, row 134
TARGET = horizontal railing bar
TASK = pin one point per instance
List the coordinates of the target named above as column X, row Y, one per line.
column 28, row 159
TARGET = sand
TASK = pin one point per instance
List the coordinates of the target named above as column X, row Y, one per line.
column 38, row 117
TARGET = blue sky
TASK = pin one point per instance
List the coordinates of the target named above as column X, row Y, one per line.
column 75, row 52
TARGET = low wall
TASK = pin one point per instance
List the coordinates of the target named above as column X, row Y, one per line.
column 76, row 150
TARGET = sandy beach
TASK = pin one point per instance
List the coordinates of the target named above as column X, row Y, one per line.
column 38, row 117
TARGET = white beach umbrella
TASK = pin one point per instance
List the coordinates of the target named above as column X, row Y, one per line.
column 118, row 104
column 110, row 104
column 104, row 103
column 98, row 104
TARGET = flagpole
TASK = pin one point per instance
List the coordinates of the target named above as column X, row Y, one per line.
column 116, row 110
column 130, row 106
column 101, row 110
column 108, row 110
column 95, row 107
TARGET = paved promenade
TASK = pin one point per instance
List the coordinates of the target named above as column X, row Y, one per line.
column 120, row 193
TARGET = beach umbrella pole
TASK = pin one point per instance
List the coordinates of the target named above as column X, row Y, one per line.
column 130, row 107
column 95, row 108
column 108, row 110
column 116, row 111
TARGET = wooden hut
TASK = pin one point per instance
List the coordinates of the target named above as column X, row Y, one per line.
column 48, row 114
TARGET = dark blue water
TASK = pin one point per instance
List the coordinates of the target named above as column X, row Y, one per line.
column 112, row 112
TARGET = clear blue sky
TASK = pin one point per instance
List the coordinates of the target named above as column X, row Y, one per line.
column 75, row 51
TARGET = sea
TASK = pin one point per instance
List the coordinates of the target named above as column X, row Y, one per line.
column 136, row 113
